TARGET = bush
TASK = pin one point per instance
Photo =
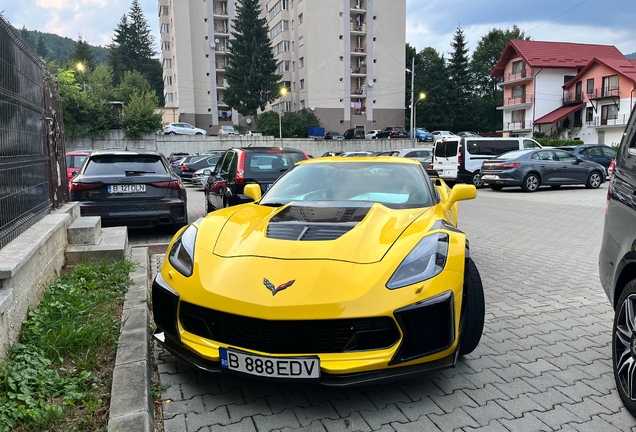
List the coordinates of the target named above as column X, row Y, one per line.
column 139, row 115
column 547, row 142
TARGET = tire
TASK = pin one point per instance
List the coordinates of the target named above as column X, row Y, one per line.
column 474, row 310
column 476, row 180
column 594, row 180
column 531, row 183
column 624, row 347
column 198, row 133
column 496, row 187
column 171, row 133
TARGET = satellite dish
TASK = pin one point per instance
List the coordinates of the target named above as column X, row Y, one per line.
column 216, row 41
column 212, row 44
column 182, row 111
column 248, row 120
column 370, row 83
column 312, row 108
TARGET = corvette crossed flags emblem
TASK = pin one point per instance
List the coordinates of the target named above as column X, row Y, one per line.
column 270, row 286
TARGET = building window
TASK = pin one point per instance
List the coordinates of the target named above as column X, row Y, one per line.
column 282, row 67
column 519, row 92
column 165, row 28
column 281, row 47
column 165, row 46
column 590, row 86
column 300, row 19
column 518, row 117
column 589, row 114
column 519, row 68
column 302, row 104
column 301, row 41
column 301, row 62
column 610, row 85
column 167, row 80
column 167, row 63
column 164, row 10
column 287, row 85
column 169, row 97
column 302, row 84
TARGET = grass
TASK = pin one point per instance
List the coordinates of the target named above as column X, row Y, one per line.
column 58, row 376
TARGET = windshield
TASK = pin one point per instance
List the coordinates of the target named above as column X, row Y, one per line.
column 124, row 164
column 395, row 185
column 512, row 154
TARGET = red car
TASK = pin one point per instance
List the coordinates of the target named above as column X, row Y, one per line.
column 74, row 161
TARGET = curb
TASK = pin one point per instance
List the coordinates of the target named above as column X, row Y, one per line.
column 131, row 405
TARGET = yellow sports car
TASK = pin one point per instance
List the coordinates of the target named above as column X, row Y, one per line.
column 346, row 271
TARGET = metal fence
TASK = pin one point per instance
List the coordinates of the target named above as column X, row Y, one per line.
column 25, row 172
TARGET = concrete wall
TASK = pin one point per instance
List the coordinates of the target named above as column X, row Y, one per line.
column 167, row 144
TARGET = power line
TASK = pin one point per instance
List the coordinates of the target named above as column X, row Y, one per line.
column 561, row 14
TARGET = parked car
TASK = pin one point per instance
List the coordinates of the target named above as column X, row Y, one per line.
column 617, row 264
column 189, row 168
column 200, row 177
column 356, row 154
column 228, row 130
column 177, row 166
column 332, row 153
column 315, row 282
column 354, row 133
column 387, row 153
column 372, row 134
column 241, row 166
column 598, row 153
column 182, row 129
column 334, row 136
column 422, row 135
column 468, row 134
column 212, row 153
column 531, row 169
column 134, row 188
column 443, row 134
column 253, row 133
column 392, row 132
column 422, row 155
column 74, row 160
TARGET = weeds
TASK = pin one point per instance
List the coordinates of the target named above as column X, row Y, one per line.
column 53, row 378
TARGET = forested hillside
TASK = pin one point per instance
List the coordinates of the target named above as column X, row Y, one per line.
column 57, row 48
column 631, row 56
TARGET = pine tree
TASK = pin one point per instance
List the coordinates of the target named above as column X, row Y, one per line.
column 26, row 37
column 42, row 50
column 461, row 82
column 251, row 71
column 83, row 54
column 141, row 39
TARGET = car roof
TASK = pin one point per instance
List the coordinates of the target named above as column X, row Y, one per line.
column 366, row 159
column 265, row 149
column 120, row 152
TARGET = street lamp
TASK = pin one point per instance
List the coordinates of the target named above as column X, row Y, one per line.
column 422, row 96
column 283, row 92
column 80, row 68
column 412, row 72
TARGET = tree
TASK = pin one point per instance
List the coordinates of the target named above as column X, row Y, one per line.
column 297, row 124
column 132, row 82
column 268, row 123
column 26, row 37
column 461, row 82
column 139, row 115
column 83, row 54
column 120, row 51
column 100, row 83
column 251, row 71
column 41, row 48
column 437, row 111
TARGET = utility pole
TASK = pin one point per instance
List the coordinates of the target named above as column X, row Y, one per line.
column 412, row 91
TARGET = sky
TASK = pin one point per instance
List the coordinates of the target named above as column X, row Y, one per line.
column 429, row 22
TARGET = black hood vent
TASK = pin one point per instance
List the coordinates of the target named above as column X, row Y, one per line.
column 299, row 223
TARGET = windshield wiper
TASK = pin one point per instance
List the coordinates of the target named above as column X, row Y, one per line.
column 274, row 204
column 139, row 172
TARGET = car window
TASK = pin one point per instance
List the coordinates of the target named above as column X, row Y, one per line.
column 529, row 144
column 608, row 151
column 565, row 156
column 271, row 162
column 75, row 161
column 512, row 155
column 446, row 149
column 227, row 160
column 545, row 155
column 596, row 151
column 395, row 185
column 582, row 151
column 118, row 165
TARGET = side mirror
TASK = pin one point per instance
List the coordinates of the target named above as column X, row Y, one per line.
column 579, row 160
column 74, row 173
column 460, row 193
column 254, row 191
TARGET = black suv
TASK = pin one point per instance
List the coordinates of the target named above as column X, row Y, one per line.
column 241, row 166
column 392, row 132
column 134, row 188
column 355, row 133
column 617, row 264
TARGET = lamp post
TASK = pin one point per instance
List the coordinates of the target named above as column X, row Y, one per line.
column 80, row 68
column 283, row 92
column 422, row 96
column 412, row 72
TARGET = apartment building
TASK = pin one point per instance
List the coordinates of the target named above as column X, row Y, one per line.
column 535, row 74
column 342, row 59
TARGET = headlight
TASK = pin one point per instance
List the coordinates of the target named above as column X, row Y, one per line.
column 182, row 253
column 425, row 261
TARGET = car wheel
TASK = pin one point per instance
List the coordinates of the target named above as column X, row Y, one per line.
column 624, row 346
column 594, row 180
column 477, row 179
column 198, row 133
column 496, row 187
column 474, row 310
column 531, row 183
column 172, row 133
column 555, row 186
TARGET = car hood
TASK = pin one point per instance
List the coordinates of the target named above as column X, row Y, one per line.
column 349, row 234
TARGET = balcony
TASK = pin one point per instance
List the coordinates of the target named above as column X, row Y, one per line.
column 220, row 10
column 224, row 115
column 358, row 28
column 220, row 65
column 599, row 121
column 525, row 100
column 360, row 70
column 358, row 110
column 221, row 49
column 359, row 92
column 602, row 93
column 358, row 6
column 221, row 84
column 358, row 50
column 518, row 126
column 572, row 98
column 515, row 77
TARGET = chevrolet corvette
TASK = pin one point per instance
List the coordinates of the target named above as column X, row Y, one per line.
column 346, row 271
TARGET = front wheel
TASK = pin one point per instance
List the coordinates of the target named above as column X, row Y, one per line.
column 594, row 180
column 624, row 347
column 531, row 183
column 474, row 310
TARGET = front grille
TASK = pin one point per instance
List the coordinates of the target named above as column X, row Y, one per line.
column 289, row 337
column 102, row 210
column 428, row 327
column 300, row 231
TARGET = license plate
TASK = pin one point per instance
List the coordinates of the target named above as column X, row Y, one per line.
column 490, row 177
column 131, row 188
column 270, row 367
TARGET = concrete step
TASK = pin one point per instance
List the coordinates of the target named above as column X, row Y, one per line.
column 85, row 230
column 113, row 246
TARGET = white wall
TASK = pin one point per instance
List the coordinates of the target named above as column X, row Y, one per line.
column 548, row 88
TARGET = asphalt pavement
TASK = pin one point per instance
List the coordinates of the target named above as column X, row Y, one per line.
column 543, row 363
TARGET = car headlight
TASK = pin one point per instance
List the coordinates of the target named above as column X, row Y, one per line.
column 181, row 255
column 425, row 261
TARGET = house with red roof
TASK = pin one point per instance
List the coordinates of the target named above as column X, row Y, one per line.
column 535, row 74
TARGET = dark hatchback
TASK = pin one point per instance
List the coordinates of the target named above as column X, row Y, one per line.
column 176, row 165
column 531, row 169
column 392, row 132
column 130, row 188
column 241, row 166
column 617, row 264
column 598, row 153
column 187, row 169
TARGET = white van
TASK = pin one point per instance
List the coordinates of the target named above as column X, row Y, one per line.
column 459, row 159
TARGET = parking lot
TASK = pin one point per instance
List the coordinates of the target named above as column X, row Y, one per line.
column 544, row 361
